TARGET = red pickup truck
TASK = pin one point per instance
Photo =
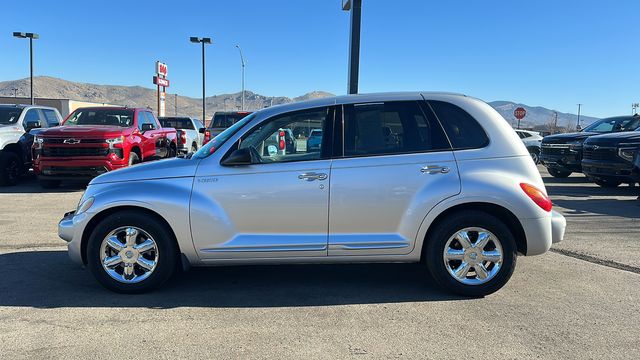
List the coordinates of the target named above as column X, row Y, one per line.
column 92, row 141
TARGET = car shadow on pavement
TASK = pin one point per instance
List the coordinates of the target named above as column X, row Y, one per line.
column 569, row 180
column 585, row 191
column 622, row 208
column 30, row 185
column 48, row 279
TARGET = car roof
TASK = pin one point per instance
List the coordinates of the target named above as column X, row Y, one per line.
column 112, row 108
column 25, row 106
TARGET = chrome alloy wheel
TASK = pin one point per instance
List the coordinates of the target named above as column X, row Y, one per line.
column 129, row 254
column 473, row 256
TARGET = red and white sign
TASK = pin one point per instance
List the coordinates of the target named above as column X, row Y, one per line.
column 160, row 81
column 161, row 69
column 520, row 113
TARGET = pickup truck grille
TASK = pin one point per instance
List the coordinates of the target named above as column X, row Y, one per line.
column 591, row 152
column 555, row 149
column 83, row 141
column 74, row 151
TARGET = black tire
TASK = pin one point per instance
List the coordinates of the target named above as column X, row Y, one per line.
column 559, row 173
column 49, row 184
column 172, row 151
column 166, row 245
column 437, row 240
column 194, row 148
column 535, row 155
column 10, row 168
column 607, row 183
column 133, row 158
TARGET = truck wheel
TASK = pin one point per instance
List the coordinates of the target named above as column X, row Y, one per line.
column 607, row 183
column 172, row 151
column 535, row 155
column 471, row 253
column 194, row 148
column 559, row 173
column 133, row 158
column 49, row 184
column 130, row 252
column 10, row 168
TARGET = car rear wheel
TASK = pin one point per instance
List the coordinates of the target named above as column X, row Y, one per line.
column 607, row 183
column 471, row 253
column 10, row 168
column 535, row 155
column 559, row 173
column 131, row 252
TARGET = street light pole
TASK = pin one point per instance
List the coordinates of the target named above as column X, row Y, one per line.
column 31, row 37
column 204, row 41
column 243, row 64
column 578, row 126
column 355, row 6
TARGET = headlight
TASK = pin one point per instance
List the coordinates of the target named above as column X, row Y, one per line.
column 113, row 141
column 37, row 142
column 84, row 205
column 627, row 153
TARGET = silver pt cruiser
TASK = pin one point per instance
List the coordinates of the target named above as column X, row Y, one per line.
column 397, row 177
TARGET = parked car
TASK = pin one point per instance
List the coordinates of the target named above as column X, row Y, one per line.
column 18, row 124
column 314, row 142
column 190, row 132
column 532, row 140
column 222, row 120
column 562, row 153
column 609, row 159
column 93, row 141
column 455, row 190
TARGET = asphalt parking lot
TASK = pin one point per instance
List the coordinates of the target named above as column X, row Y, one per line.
column 581, row 300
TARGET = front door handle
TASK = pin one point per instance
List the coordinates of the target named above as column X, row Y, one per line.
column 435, row 169
column 312, row 176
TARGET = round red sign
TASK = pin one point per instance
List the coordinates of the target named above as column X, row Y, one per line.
column 520, row 113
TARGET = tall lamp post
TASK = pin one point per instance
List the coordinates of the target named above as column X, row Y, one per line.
column 243, row 64
column 31, row 37
column 355, row 6
column 203, row 41
column 578, row 126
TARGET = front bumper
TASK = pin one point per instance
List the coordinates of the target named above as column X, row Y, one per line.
column 570, row 162
column 622, row 171
column 70, row 230
column 76, row 168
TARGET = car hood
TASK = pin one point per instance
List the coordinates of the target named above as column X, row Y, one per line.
column 613, row 139
column 161, row 169
column 84, row 131
column 567, row 138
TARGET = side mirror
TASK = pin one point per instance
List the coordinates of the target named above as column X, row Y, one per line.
column 147, row 127
column 202, row 130
column 238, row 157
column 32, row 124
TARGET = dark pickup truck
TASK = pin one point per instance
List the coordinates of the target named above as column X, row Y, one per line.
column 612, row 159
column 561, row 154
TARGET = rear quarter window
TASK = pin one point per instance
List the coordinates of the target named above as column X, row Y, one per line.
column 462, row 129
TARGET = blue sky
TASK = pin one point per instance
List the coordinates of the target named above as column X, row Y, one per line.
column 549, row 53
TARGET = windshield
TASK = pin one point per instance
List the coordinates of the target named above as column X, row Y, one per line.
column 614, row 125
column 177, row 123
column 217, row 141
column 107, row 117
column 9, row 115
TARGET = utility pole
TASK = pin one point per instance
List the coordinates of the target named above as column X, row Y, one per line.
column 355, row 7
column 176, row 104
column 555, row 121
column 578, row 126
column 204, row 41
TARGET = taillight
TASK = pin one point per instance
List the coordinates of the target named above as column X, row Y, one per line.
column 183, row 138
column 207, row 137
column 537, row 196
column 281, row 142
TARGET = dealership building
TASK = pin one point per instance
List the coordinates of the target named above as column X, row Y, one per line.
column 65, row 106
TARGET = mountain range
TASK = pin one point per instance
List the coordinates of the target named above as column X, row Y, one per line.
column 137, row 96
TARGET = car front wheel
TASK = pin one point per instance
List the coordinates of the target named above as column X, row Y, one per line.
column 131, row 252
column 471, row 253
column 559, row 173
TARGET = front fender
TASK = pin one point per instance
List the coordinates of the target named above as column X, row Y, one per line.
column 168, row 198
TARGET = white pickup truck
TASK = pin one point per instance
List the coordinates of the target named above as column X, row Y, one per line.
column 18, row 124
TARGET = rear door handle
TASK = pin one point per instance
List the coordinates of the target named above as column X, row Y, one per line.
column 435, row 169
column 312, row 176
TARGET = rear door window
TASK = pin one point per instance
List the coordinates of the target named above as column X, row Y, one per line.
column 51, row 117
column 396, row 127
column 462, row 129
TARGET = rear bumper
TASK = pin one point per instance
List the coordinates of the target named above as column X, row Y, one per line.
column 543, row 232
column 623, row 171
